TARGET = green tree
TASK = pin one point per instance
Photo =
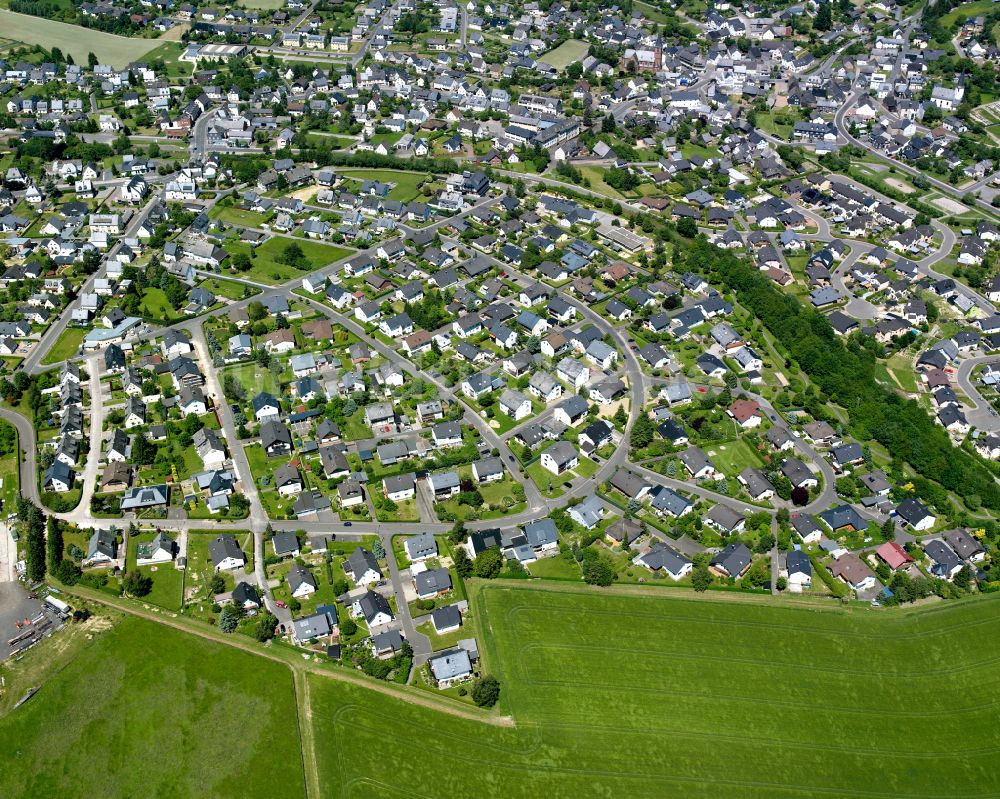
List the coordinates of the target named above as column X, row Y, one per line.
column 458, row 533
column 486, row 691
column 687, row 227
column 229, row 619
column 67, row 572
column 642, row 431
column 824, row 17
column 463, row 563
column 963, row 578
column 292, row 255
column 348, row 627
column 137, row 584
column 263, row 628
column 598, row 571
column 54, row 544
column 701, row 578
column 378, row 550
column 488, row 563
column 32, row 522
column 217, row 583
column 620, row 417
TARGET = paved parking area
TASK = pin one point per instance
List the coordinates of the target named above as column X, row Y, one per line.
column 15, row 606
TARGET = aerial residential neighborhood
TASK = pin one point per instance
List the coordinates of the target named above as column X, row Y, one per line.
column 452, row 350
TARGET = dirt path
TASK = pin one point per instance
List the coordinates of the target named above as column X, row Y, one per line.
column 307, row 735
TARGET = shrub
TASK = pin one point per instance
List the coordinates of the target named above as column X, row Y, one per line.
column 486, row 691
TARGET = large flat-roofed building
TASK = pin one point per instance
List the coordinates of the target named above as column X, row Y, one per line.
column 223, row 52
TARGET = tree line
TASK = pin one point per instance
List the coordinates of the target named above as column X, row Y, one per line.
column 845, row 373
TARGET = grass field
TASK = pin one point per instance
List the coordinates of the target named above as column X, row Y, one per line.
column 565, row 54
column 959, row 14
column 619, row 696
column 74, row 40
column 406, row 182
column 266, row 267
column 169, row 52
column 156, row 306
column 230, row 289
column 10, row 472
column 733, row 457
column 66, row 346
column 595, row 175
column 220, row 722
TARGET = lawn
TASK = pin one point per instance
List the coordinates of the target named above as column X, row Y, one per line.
column 595, row 175
column 169, row 52
column 959, row 14
column 238, row 216
column 158, row 690
column 616, row 695
column 156, row 307
column 733, row 457
column 268, row 269
column 66, row 346
column 229, row 289
column 74, row 40
column 405, row 188
column 551, row 485
column 168, row 581
column 199, row 566
column 565, row 54
column 406, row 509
column 10, row 480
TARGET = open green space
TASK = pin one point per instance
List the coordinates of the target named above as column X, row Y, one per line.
column 733, row 457
column 10, row 479
column 168, row 581
column 74, row 40
column 238, row 216
column 671, row 696
column 229, row 289
column 66, row 346
column 143, row 688
column 595, row 175
column 565, row 54
column 959, row 14
column 267, row 268
column 405, row 188
column 169, row 52
column 155, row 305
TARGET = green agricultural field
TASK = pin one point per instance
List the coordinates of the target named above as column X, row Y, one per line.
column 66, row 346
column 615, row 695
column 160, row 691
column 74, row 40
column 565, row 54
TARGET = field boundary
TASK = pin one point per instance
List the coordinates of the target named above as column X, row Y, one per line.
column 293, row 660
